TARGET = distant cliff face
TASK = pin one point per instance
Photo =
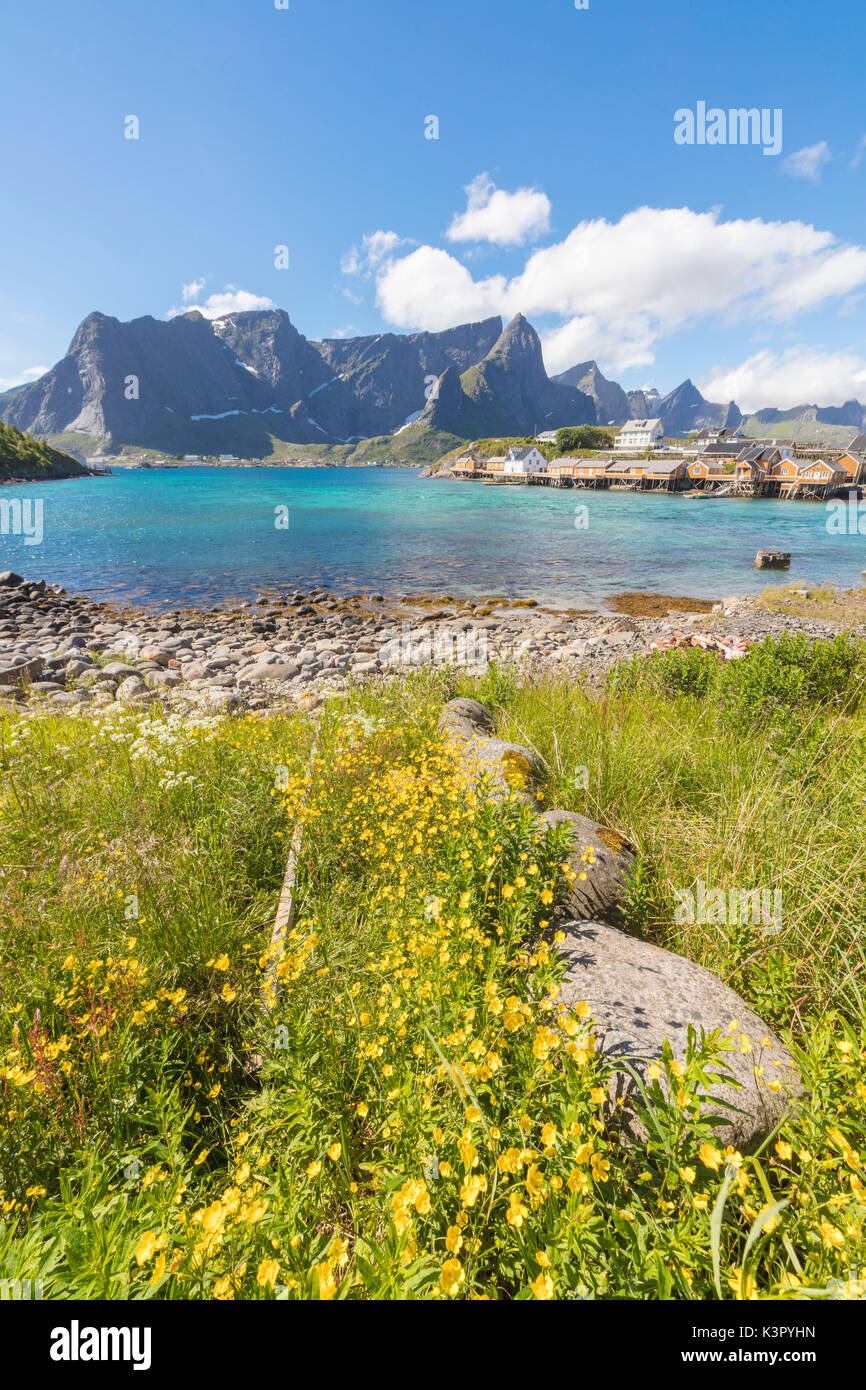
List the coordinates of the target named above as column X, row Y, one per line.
column 612, row 405
column 177, row 384
column 508, row 393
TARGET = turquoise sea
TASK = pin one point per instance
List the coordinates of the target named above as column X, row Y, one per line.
column 201, row 535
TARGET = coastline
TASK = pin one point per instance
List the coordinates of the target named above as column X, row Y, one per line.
column 292, row 650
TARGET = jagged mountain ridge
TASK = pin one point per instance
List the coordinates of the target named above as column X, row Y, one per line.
column 508, row 393
column 182, row 382
column 240, row 382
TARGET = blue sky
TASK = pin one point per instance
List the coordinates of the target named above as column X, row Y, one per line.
column 305, row 127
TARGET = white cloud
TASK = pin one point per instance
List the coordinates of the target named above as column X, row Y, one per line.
column 799, row 376
column 859, row 152
column 376, row 249
column 505, row 219
column 344, row 332
column 230, row 301
column 28, row 374
column 192, row 290
column 618, row 287
column 808, row 163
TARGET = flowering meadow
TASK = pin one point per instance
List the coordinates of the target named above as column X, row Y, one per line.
column 413, row 1114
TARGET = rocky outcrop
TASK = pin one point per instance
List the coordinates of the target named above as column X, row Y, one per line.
column 509, row 393
column 506, row 767
column 612, row 406
column 640, row 995
column 603, row 861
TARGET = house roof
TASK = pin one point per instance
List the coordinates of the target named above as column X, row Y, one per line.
column 858, row 445
column 640, row 425
column 523, row 452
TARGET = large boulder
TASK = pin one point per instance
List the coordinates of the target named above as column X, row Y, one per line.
column 508, row 767
column 269, row 671
column 22, row 671
column 639, row 995
column 603, row 861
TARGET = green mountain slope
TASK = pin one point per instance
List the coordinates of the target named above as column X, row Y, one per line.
column 21, row 456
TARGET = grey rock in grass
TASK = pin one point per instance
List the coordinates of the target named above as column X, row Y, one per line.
column 159, row 678
column 509, row 767
column 603, row 889
column 270, row 671
column 120, row 669
column 20, row 672
column 640, row 995
column 133, row 691
column 46, row 687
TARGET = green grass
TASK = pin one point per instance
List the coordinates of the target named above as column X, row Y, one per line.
column 418, row 1128
column 22, row 456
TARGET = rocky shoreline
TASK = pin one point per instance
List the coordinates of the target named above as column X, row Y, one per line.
column 293, row 649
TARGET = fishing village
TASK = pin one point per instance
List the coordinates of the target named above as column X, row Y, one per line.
column 714, row 463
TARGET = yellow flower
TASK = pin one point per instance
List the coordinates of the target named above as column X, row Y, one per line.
column 548, row 1135
column 542, row 1287
column 600, row 1167
column 517, row 1212
column 327, row 1282
column 362, row 1110
column 534, row 1180
column 784, row 1151
column 212, row 1217
column 453, row 1240
column 223, row 1288
column 228, row 993
column 268, row 1270
column 710, row 1156
column 831, row 1235
column 146, row 1249
column 221, row 963
column 314, row 1169
column 335, row 1150
column 470, row 1190
column 451, row 1277
column 744, row 1286
column 338, row 1252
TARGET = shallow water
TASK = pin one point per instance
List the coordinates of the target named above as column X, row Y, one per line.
column 202, row 535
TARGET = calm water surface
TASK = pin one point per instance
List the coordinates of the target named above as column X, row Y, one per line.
column 203, row 535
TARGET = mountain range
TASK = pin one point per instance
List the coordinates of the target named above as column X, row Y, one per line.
column 250, row 384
